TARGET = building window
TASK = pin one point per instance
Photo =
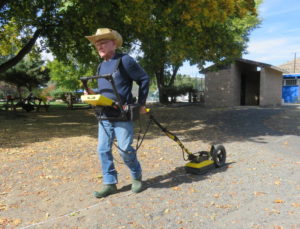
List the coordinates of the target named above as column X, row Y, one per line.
column 290, row 82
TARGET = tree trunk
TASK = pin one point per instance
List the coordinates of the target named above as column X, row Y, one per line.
column 26, row 49
column 175, row 70
column 19, row 93
column 163, row 98
column 2, row 3
column 190, row 97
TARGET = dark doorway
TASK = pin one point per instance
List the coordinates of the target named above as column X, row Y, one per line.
column 250, row 84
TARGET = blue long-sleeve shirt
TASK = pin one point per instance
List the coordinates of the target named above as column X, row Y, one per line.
column 128, row 71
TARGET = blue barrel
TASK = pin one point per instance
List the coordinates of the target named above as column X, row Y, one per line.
column 290, row 94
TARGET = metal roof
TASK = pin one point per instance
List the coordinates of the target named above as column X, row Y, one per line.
column 296, row 75
column 246, row 61
column 260, row 64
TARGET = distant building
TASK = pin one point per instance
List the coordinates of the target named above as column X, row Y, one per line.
column 291, row 81
column 244, row 82
column 291, row 88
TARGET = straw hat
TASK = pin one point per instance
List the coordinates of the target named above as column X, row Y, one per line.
column 106, row 33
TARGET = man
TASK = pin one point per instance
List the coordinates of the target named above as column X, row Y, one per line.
column 125, row 70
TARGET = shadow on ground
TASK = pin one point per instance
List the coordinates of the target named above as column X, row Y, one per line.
column 190, row 123
column 229, row 124
column 176, row 177
column 21, row 128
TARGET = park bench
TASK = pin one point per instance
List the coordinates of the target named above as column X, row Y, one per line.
column 28, row 104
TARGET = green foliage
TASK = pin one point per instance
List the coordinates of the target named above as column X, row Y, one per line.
column 58, row 93
column 197, row 31
column 29, row 74
column 7, row 89
column 66, row 75
column 175, row 91
column 166, row 33
column 9, row 39
column 195, row 82
column 21, row 18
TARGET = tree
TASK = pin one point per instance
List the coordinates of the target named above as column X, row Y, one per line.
column 29, row 74
column 171, row 32
column 166, row 32
column 194, row 82
column 60, row 27
column 22, row 22
column 66, row 75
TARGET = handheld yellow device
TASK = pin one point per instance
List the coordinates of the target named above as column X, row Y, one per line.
column 97, row 100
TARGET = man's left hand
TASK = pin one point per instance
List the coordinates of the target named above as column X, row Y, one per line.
column 143, row 110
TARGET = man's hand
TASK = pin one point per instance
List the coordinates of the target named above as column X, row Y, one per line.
column 88, row 91
column 143, row 110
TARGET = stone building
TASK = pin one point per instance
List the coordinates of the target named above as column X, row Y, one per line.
column 244, row 82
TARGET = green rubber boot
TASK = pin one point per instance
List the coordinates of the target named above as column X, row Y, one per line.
column 137, row 185
column 107, row 190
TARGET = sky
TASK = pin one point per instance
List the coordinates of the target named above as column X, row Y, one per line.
column 277, row 38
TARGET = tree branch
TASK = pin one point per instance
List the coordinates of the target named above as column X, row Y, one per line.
column 26, row 49
column 175, row 70
column 2, row 3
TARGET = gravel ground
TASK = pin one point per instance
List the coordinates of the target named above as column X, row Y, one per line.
column 48, row 181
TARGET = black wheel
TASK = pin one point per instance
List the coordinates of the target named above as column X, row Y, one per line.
column 218, row 154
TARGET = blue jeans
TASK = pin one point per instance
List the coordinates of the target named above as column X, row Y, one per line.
column 123, row 131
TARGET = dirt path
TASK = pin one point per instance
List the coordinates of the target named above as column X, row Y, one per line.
column 49, row 170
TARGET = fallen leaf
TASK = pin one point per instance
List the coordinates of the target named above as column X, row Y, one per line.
column 278, row 227
column 74, row 213
column 217, row 195
column 16, row 222
column 176, row 188
column 253, row 169
column 3, row 207
column 259, row 193
column 296, row 205
column 272, row 211
column 3, row 220
column 192, row 190
column 277, row 182
column 278, row 201
column 213, row 217
column 233, row 194
column 224, row 206
column 167, row 211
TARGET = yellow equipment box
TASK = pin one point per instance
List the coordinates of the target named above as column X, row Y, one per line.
column 97, row 100
column 200, row 165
